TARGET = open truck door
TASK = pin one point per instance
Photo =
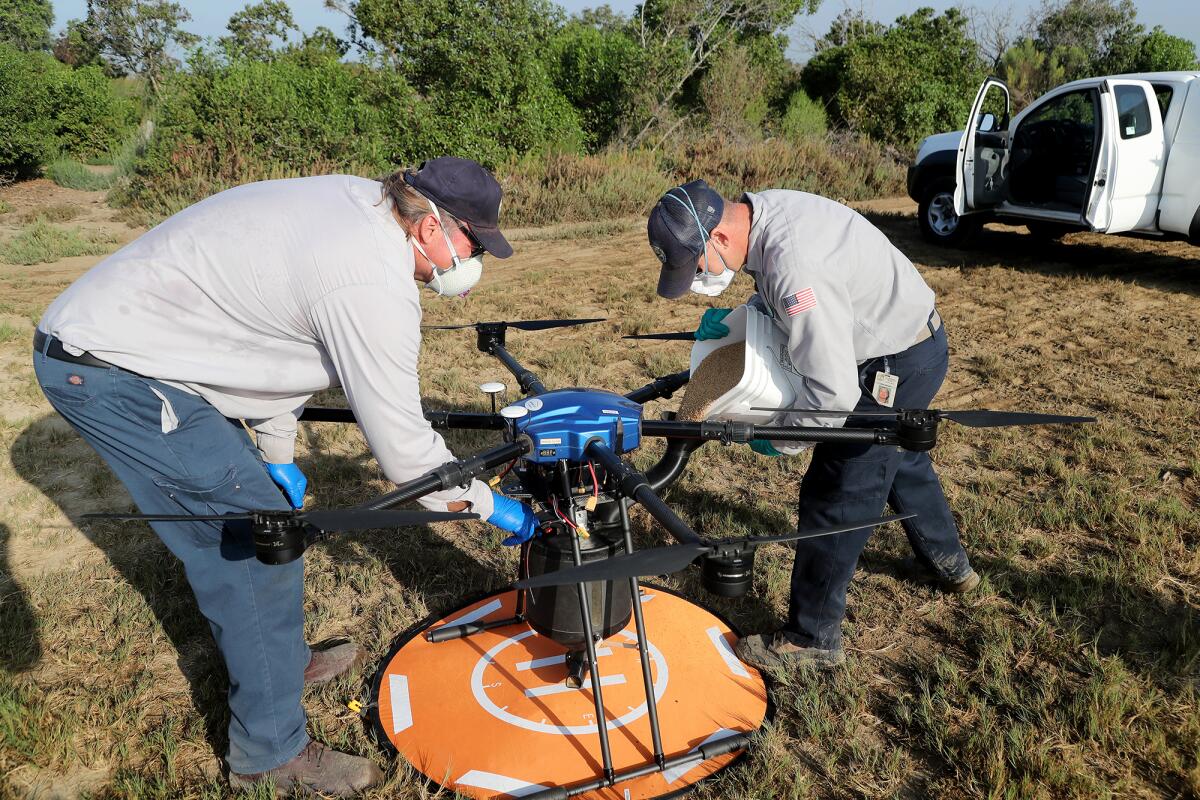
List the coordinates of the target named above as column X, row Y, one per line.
column 982, row 150
column 1129, row 167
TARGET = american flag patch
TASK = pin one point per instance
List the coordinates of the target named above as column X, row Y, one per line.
column 803, row 300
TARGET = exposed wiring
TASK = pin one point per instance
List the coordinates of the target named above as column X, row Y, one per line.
column 595, row 483
column 560, row 515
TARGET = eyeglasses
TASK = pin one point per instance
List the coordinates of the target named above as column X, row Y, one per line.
column 477, row 248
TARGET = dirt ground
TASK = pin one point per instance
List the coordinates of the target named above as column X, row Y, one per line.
column 1072, row 672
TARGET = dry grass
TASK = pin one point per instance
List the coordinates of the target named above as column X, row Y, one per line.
column 1071, row 673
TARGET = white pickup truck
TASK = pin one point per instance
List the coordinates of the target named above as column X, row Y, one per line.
column 1113, row 155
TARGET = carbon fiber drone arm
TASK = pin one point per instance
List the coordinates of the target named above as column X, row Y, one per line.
column 634, row 484
column 452, row 473
column 742, row 432
column 660, row 388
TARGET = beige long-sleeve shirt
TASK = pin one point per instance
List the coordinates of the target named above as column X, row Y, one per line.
column 259, row 296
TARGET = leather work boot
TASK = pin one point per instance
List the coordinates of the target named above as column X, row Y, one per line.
column 777, row 650
column 316, row 770
column 919, row 569
column 332, row 661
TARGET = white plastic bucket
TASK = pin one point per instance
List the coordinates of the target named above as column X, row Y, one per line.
column 768, row 378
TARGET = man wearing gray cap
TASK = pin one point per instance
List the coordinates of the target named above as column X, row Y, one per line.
column 864, row 335
column 240, row 308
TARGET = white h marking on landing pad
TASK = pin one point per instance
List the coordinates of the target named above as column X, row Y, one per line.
column 471, row 616
column 550, row 661
column 401, row 707
column 498, row 783
column 675, row 773
column 722, row 645
column 559, row 688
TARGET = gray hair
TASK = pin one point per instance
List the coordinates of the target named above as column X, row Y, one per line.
column 409, row 204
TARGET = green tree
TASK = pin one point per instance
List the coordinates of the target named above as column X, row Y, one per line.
column 680, row 39
column 76, row 47
column 915, row 78
column 849, row 26
column 481, row 63
column 1029, row 72
column 25, row 24
column 597, row 67
column 1159, row 51
column 136, row 35
column 255, row 29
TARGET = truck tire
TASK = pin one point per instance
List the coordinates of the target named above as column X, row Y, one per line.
column 939, row 224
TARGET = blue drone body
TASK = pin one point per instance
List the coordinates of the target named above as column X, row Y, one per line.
column 562, row 423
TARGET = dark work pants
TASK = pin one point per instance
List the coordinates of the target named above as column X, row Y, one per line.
column 176, row 454
column 848, row 482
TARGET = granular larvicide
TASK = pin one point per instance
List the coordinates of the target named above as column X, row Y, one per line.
column 715, row 376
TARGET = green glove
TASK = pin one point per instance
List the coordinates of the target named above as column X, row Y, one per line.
column 711, row 326
column 764, row 448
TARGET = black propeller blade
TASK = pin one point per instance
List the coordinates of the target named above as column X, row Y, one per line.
column 688, row 336
column 672, row 558
column 981, row 418
column 338, row 520
column 523, row 325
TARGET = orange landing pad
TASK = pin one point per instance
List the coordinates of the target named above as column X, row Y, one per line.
column 490, row 715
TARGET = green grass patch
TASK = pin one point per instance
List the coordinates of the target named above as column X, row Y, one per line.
column 41, row 242
column 71, row 174
column 58, row 212
column 5, row 207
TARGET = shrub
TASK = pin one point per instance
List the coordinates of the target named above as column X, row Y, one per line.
column 916, row 78
column 90, row 117
column 46, row 108
column 26, row 130
column 224, row 124
column 42, row 242
column 803, row 117
column 567, row 188
column 74, row 175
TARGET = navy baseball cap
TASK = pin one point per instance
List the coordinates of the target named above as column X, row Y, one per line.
column 469, row 192
column 675, row 233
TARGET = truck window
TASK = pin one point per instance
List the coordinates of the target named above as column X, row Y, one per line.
column 1133, row 112
column 1163, row 94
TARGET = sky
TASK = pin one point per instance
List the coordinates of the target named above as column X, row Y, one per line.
column 1179, row 17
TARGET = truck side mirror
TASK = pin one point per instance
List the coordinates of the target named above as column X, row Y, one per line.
column 987, row 123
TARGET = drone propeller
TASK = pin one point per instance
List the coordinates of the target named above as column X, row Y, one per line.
column 348, row 519
column 688, row 336
column 981, row 418
column 672, row 558
column 523, row 325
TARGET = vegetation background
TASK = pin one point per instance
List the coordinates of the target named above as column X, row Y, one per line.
column 1072, row 674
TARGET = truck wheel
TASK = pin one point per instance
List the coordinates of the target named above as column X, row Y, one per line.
column 939, row 223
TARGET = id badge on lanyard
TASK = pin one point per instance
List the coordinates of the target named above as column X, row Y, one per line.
column 884, row 390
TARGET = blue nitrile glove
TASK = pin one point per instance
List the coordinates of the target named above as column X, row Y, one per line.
column 764, row 448
column 711, row 326
column 289, row 478
column 515, row 517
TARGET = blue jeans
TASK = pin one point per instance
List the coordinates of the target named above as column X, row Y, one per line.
column 848, row 482
column 177, row 454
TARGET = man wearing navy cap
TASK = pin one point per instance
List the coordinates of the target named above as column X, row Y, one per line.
column 240, row 308
column 864, row 335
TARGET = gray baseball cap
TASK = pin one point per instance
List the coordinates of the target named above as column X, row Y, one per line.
column 678, row 229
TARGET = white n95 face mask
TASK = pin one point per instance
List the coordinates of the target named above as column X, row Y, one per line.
column 711, row 285
column 462, row 274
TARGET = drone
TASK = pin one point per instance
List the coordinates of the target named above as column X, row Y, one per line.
column 579, row 581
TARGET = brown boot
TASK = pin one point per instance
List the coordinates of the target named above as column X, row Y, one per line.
column 332, row 661
column 317, row 770
column 778, row 650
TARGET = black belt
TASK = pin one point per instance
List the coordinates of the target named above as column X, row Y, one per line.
column 53, row 348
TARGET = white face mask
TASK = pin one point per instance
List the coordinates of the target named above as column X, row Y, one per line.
column 706, row 283
column 462, row 274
